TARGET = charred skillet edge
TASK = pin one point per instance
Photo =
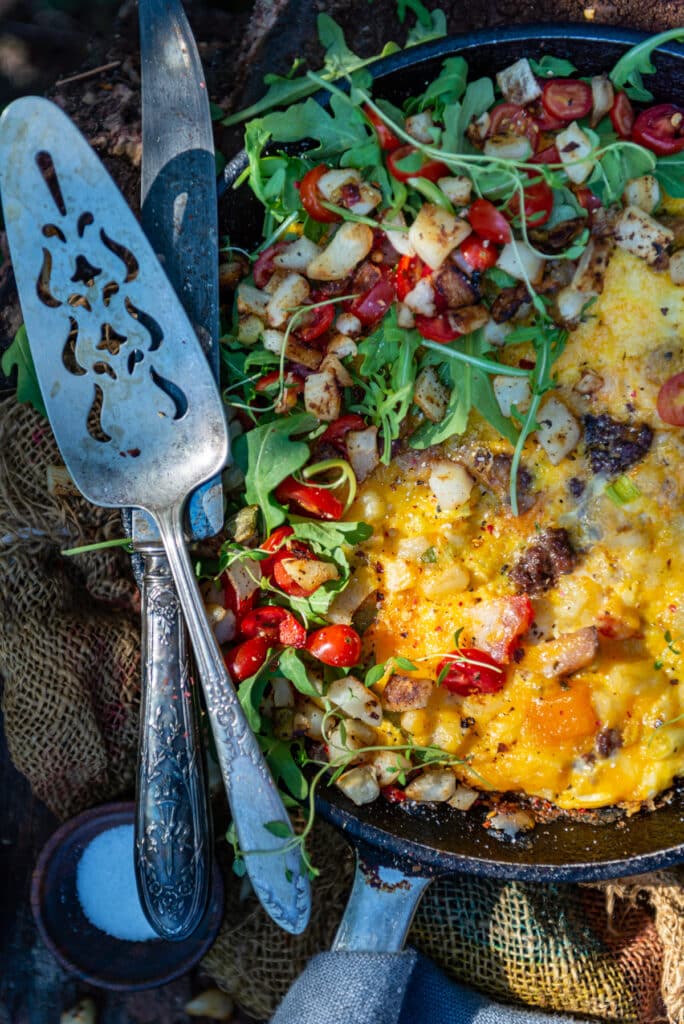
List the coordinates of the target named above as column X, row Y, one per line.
column 430, row 843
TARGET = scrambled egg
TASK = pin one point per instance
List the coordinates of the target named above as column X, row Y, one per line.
column 611, row 732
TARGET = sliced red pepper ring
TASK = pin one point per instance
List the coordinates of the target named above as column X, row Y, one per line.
column 317, row 501
column 538, row 201
column 511, row 119
column 622, row 115
column 315, row 322
column 274, row 623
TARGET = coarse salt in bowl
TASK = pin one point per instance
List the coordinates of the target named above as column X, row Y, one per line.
column 85, row 902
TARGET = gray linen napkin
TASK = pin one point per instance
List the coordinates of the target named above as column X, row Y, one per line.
column 392, row 988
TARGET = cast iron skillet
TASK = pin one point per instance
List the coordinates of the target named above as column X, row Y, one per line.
column 434, row 839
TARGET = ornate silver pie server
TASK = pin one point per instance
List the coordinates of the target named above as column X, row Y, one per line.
column 137, row 416
column 179, row 217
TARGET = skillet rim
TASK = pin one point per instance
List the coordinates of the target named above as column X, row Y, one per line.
column 386, row 833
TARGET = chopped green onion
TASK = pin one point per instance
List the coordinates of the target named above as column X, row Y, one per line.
column 622, row 491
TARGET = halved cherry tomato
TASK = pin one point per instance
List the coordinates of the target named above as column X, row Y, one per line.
column 274, row 543
column 280, row 574
column 311, row 197
column 587, row 200
column 274, row 623
column 479, row 253
column 335, row 645
column 386, row 137
column 545, row 121
column 394, row 794
column 660, row 129
column 567, row 99
column 439, row 328
column 488, row 222
column 510, row 119
column 622, row 115
column 550, row 155
column 409, row 271
column 316, row 321
column 670, row 402
column 538, row 201
column 317, row 501
column 264, row 266
column 336, row 432
column 232, row 601
column 293, row 382
column 373, row 304
column 478, row 672
column 430, row 169
column 247, row 658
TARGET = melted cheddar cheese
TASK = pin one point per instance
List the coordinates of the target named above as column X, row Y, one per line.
column 613, row 731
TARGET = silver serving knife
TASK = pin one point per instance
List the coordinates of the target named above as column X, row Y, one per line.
column 137, row 416
column 179, row 216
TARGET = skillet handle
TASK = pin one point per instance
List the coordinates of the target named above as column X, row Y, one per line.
column 381, row 907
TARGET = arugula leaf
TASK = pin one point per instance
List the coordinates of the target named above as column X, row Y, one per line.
column 670, row 173
column 338, row 130
column 478, row 97
column 637, row 62
column 281, row 761
column 294, row 669
column 619, row 163
column 552, row 67
column 250, row 693
column 19, row 355
column 449, row 85
column 278, row 828
column 268, row 455
column 424, row 31
column 326, row 536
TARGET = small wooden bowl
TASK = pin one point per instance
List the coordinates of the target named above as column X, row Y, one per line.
column 84, row 950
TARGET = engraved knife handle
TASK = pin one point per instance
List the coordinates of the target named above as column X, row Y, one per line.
column 172, row 832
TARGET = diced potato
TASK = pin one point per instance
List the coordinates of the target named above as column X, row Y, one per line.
column 244, row 574
column 602, row 98
column 511, row 823
column 421, row 126
column 521, row 261
column 332, row 364
column 405, row 316
column 591, row 269
column 453, row 579
column 322, row 396
column 350, row 244
column 430, row 395
column 373, row 507
column 331, row 183
column 407, row 693
column 349, row 325
column 496, row 334
column 412, row 548
column 468, row 318
column 362, row 450
column 558, row 431
column 222, row 622
column 421, row 298
column 356, row 700
column 457, row 188
column 298, row 352
column 346, row 738
column 463, row 798
column 344, row 186
column 574, row 146
column 643, row 192
column 292, row 291
column 398, row 238
column 637, row 232
column 570, row 302
column 512, row 391
column 308, row 720
column 297, row 256
column 398, row 575
column 252, row 300
column 341, row 345
column 568, row 653
column 250, row 328
column 283, row 696
column 389, row 765
column 438, row 785
column 677, row 267
column 451, row 484
column 518, row 83
column 435, row 233
column 360, row 784
column 360, row 586
column 508, row 147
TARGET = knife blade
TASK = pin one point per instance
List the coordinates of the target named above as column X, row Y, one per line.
column 179, row 217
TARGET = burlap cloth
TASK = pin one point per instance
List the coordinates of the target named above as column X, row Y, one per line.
column 70, row 647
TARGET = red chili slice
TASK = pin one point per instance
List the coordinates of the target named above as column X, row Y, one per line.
column 394, row 794
column 311, row 198
column 386, row 137
column 488, row 222
column 337, row 645
column 247, row 658
column 622, row 115
column 317, row 501
column 409, row 271
column 433, row 170
column 274, row 623
column 478, row 672
column 660, row 129
column 670, row 402
column 440, row 328
column 568, row 99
